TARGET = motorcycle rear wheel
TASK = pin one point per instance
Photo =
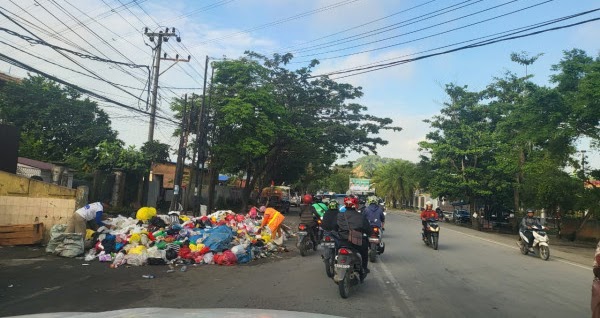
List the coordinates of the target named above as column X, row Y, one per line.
column 524, row 248
column 302, row 247
column 435, row 239
column 329, row 267
column 544, row 252
column 344, row 286
column 372, row 255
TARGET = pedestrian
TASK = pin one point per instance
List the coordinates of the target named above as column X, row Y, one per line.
column 93, row 211
column 596, row 284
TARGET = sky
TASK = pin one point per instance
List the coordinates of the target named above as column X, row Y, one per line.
column 341, row 34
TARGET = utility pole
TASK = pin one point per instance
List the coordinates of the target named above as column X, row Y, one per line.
column 180, row 158
column 160, row 37
column 200, row 133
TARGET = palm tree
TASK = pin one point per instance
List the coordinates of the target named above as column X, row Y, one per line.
column 396, row 180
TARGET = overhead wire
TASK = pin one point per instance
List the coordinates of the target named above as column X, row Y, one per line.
column 502, row 38
column 280, row 21
column 24, row 66
column 417, row 39
column 394, row 26
column 68, row 57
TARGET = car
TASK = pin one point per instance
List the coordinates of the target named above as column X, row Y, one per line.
column 462, row 216
column 295, row 200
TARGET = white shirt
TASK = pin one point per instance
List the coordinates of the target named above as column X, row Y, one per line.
column 88, row 212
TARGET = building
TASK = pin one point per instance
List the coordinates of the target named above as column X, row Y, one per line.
column 44, row 171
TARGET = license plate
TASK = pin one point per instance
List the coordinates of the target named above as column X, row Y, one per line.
column 329, row 245
column 302, row 233
column 342, row 266
column 373, row 240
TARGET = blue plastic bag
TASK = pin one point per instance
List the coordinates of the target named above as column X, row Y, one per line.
column 219, row 238
column 246, row 257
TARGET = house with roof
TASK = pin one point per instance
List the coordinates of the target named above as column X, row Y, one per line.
column 44, row 171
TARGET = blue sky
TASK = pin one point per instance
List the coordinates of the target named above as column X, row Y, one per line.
column 407, row 93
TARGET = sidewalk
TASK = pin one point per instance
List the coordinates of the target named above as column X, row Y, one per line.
column 579, row 253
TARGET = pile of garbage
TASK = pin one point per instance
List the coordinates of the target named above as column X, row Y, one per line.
column 223, row 238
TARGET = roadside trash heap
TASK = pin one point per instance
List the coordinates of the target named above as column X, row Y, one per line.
column 223, row 238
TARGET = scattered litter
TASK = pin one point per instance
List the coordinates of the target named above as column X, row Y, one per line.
column 85, row 264
column 148, row 276
column 10, row 286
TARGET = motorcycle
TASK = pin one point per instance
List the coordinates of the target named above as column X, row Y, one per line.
column 305, row 240
column 540, row 243
column 376, row 245
column 431, row 235
column 348, row 270
column 329, row 253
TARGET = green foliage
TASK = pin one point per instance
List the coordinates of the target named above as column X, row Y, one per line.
column 396, row 180
column 55, row 123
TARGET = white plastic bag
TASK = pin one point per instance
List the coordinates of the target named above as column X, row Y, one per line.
column 71, row 246
column 208, row 258
column 56, row 237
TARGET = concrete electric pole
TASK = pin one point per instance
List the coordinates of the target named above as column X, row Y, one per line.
column 160, row 37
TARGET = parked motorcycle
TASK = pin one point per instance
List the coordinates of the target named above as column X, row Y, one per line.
column 432, row 233
column 348, row 270
column 540, row 243
column 329, row 253
column 376, row 245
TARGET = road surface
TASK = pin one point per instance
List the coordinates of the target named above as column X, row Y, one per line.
column 466, row 277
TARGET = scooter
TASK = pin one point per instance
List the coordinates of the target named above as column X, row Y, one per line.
column 305, row 243
column 376, row 245
column 431, row 236
column 348, row 270
column 540, row 243
column 329, row 253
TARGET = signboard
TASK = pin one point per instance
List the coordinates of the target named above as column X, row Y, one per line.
column 360, row 185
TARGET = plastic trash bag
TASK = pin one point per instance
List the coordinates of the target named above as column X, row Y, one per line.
column 145, row 213
column 90, row 255
column 136, row 259
column 71, row 246
column 56, row 237
column 104, row 257
column 219, row 238
column 208, row 258
column 226, row 258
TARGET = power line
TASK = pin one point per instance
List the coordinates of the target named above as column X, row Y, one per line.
column 68, row 57
column 393, row 26
column 79, row 54
column 503, row 38
column 418, row 39
column 358, row 26
column 83, row 90
column 280, row 21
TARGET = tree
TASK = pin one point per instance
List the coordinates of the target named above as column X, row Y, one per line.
column 396, row 181
column 55, row 123
column 369, row 164
column 275, row 123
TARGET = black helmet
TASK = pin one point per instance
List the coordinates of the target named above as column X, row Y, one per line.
column 318, row 199
column 530, row 211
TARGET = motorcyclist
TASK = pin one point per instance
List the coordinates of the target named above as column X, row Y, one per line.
column 350, row 219
column 527, row 223
column 374, row 212
column 318, row 206
column 427, row 214
column 308, row 216
column 330, row 217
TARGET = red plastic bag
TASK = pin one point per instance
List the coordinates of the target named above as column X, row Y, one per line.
column 226, row 258
column 204, row 250
column 229, row 217
column 185, row 252
column 240, row 217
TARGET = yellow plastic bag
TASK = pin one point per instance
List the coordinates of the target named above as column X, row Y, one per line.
column 135, row 238
column 193, row 247
column 137, row 250
column 185, row 218
column 89, row 233
column 145, row 213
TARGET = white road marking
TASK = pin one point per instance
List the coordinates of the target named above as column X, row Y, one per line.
column 516, row 248
column 391, row 280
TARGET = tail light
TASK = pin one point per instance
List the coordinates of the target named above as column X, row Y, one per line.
column 319, row 222
column 327, row 238
column 344, row 251
column 302, row 227
column 376, row 229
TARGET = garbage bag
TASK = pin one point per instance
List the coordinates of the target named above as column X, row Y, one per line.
column 105, row 257
column 208, row 258
column 226, row 258
column 219, row 238
column 71, row 246
column 185, row 253
column 145, row 213
column 89, row 233
column 136, row 259
column 245, row 257
column 56, row 237
column 140, row 249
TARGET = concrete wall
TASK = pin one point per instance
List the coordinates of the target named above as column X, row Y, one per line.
column 590, row 231
column 26, row 201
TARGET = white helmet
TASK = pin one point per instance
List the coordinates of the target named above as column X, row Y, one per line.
column 428, row 203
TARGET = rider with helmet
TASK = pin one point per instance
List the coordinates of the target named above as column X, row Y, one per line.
column 308, row 216
column 527, row 223
column 350, row 219
column 427, row 214
column 374, row 212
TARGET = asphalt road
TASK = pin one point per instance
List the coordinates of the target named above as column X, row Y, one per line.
column 466, row 277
